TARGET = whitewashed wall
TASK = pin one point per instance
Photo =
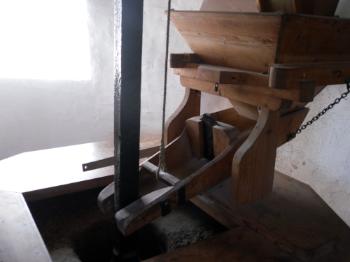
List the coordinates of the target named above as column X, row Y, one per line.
column 38, row 114
column 321, row 155
column 153, row 63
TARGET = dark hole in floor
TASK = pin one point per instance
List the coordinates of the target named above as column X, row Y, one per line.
column 74, row 229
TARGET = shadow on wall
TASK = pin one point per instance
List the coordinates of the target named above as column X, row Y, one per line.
column 319, row 156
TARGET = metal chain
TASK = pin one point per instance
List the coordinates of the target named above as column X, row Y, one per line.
column 324, row 111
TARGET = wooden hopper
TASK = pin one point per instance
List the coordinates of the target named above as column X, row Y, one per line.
column 269, row 66
column 254, row 41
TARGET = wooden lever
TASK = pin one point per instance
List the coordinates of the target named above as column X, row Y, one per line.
column 153, row 205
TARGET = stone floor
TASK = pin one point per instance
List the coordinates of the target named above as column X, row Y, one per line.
column 75, row 230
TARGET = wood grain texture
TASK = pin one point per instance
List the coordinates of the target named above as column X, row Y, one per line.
column 224, row 75
column 58, row 171
column 191, row 181
column 232, row 117
column 254, row 162
column 238, row 40
column 189, row 107
column 255, row 41
column 20, row 239
column 235, row 93
column 308, row 45
column 223, row 80
column 289, row 123
column 293, row 216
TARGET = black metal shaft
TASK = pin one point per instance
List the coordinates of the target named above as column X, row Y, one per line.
column 127, row 99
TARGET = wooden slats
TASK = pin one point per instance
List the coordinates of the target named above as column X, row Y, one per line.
column 239, row 40
column 256, row 41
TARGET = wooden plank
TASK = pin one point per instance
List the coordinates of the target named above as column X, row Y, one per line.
column 190, row 107
column 289, row 123
column 254, row 162
column 235, row 93
column 238, row 40
column 321, row 74
column 236, row 245
column 293, row 216
column 230, row 116
column 20, row 239
column 227, row 78
column 58, row 171
column 51, row 172
column 152, row 205
column 230, row 5
column 255, row 41
column 309, row 45
column 224, row 75
column 184, row 60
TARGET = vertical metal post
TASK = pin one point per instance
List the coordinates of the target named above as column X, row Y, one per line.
column 127, row 99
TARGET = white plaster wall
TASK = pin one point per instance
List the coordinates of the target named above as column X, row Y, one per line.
column 44, row 114
column 153, row 63
column 320, row 155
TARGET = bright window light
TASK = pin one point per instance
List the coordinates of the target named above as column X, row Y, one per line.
column 44, row 40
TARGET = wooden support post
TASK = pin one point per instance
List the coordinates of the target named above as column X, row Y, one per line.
column 127, row 99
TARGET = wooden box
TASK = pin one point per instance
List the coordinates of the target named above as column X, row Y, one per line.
column 254, row 41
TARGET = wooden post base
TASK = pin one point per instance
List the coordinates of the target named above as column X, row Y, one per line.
column 293, row 217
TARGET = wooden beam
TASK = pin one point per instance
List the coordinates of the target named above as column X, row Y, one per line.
column 224, row 78
column 254, row 162
column 184, row 60
column 223, row 75
column 153, row 204
column 292, row 76
column 235, row 93
column 189, row 107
